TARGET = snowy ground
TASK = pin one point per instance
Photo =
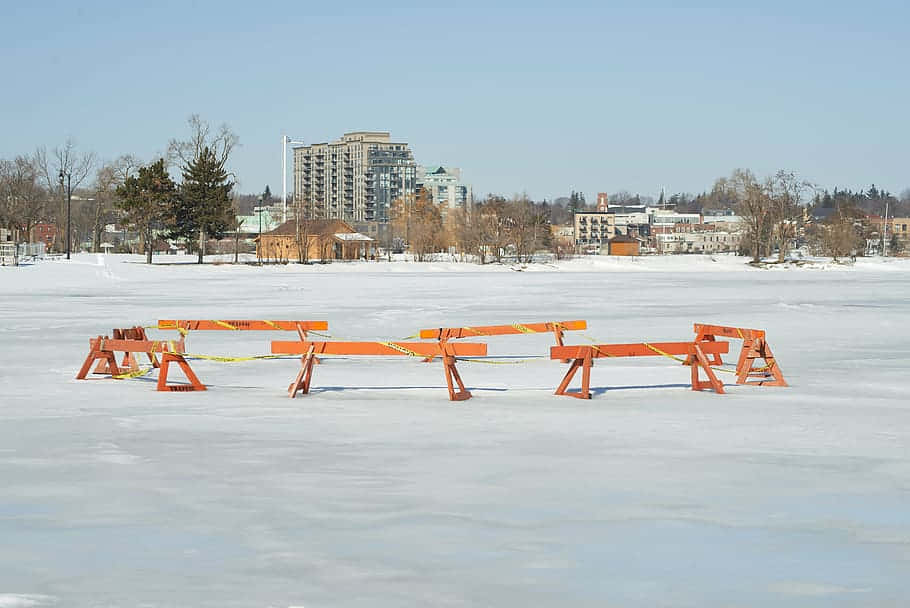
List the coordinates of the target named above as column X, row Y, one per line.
column 375, row 490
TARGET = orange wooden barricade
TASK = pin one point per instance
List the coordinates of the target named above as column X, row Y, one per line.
column 755, row 346
column 103, row 348
column 129, row 362
column 583, row 355
column 448, row 352
column 444, row 334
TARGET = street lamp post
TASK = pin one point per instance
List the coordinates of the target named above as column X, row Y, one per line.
column 259, row 212
column 69, row 197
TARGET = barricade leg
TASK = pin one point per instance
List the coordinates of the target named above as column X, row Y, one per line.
column 700, row 362
column 585, row 364
column 747, row 373
column 302, row 382
column 442, row 346
column 166, row 360
column 104, row 357
column 303, row 338
column 103, row 366
column 452, row 373
column 558, row 333
column 701, row 336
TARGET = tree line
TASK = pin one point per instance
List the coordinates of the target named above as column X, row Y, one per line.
column 142, row 196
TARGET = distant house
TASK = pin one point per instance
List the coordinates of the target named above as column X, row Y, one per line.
column 325, row 240
column 44, row 232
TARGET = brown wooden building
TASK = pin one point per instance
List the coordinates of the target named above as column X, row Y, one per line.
column 622, row 244
column 325, row 240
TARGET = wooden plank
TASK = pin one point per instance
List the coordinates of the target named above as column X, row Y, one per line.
column 634, row 350
column 240, row 325
column 142, row 346
column 499, row 330
column 421, row 349
column 741, row 333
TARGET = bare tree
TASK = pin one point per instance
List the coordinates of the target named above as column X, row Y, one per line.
column 528, row 228
column 107, row 179
column 221, row 142
column 754, row 207
column 22, row 199
column 785, row 196
column 203, row 144
column 64, row 162
column 840, row 235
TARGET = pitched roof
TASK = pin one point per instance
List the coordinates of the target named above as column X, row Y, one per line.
column 312, row 227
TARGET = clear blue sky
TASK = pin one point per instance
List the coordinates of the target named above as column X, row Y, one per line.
column 523, row 96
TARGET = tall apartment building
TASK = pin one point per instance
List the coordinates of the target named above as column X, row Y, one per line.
column 355, row 178
column 445, row 186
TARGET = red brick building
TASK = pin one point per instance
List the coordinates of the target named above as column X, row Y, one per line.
column 44, row 233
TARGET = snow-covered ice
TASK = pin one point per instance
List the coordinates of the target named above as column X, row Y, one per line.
column 375, row 490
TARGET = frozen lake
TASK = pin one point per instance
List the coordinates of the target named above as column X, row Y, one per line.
column 375, row 490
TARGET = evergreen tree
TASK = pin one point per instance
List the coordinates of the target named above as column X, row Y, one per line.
column 146, row 199
column 203, row 207
column 266, row 196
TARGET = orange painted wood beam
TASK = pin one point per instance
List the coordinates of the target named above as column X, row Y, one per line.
column 742, row 333
column 417, row 349
column 452, row 333
column 241, row 325
column 141, row 346
column 642, row 349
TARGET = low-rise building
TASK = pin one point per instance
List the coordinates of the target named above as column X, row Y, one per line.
column 325, row 240
column 708, row 241
column 624, row 245
column 44, row 232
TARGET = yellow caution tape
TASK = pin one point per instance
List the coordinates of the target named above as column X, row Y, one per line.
column 402, row 349
column 135, row 373
column 665, row 354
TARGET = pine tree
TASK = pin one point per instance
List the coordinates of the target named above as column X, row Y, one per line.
column 203, row 207
column 146, row 199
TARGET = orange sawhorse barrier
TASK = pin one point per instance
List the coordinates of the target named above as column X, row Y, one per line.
column 755, row 346
column 583, row 355
column 448, row 352
column 444, row 334
column 129, row 362
column 103, row 348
